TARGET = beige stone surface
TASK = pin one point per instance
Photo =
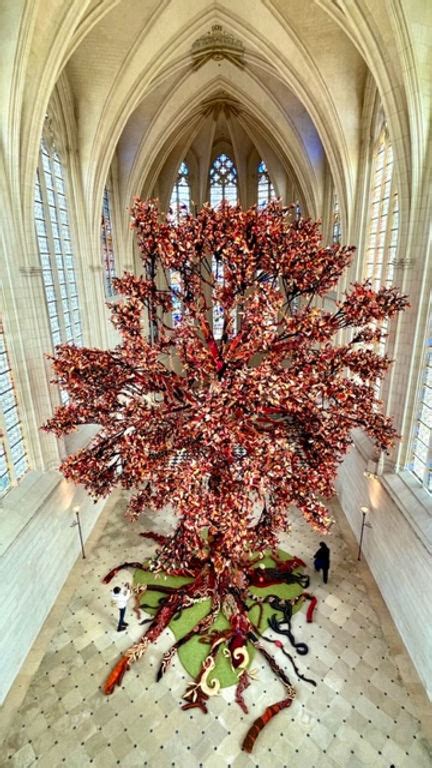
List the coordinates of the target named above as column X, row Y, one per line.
column 360, row 714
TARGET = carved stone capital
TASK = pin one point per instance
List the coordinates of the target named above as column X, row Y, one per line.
column 31, row 271
column 221, row 103
column 404, row 263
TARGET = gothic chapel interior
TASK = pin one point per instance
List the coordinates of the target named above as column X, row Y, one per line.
column 324, row 104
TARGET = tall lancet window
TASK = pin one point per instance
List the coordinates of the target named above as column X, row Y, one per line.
column 55, row 249
column 13, row 459
column 383, row 225
column 180, row 198
column 223, row 186
column 382, row 236
column 336, row 234
column 265, row 191
column 421, row 453
column 179, row 206
column 107, row 246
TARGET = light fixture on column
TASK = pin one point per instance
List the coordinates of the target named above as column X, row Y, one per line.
column 371, row 470
column 77, row 522
column 364, row 511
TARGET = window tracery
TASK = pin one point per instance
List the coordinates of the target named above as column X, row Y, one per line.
column 223, row 181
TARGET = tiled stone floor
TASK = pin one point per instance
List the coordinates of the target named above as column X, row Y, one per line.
column 360, row 714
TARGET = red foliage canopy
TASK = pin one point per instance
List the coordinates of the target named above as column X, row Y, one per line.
column 263, row 416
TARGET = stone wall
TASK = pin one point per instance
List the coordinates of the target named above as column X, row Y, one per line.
column 38, row 547
column 398, row 553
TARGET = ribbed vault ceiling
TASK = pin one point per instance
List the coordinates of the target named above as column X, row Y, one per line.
column 127, row 79
column 137, row 93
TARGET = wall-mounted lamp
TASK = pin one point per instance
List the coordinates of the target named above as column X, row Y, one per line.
column 364, row 511
column 77, row 522
column 370, row 475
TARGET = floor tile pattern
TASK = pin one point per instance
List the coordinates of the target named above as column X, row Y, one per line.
column 359, row 715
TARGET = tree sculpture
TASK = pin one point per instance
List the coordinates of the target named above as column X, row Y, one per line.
column 264, row 415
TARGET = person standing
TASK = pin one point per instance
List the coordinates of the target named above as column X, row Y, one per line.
column 120, row 596
column 322, row 560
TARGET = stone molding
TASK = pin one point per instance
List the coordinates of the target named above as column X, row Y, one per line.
column 413, row 501
column 217, row 45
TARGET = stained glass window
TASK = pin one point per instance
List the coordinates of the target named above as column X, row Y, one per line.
column 13, row 459
column 223, row 181
column 180, row 198
column 383, row 229
column 175, row 285
column 179, row 205
column 336, row 234
column 107, row 246
column 218, row 313
column 265, row 190
column 55, row 249
column 223, row 186
column 266, row 193
column 421, row 457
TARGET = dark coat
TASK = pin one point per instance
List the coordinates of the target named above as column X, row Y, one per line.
column 322, row 557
